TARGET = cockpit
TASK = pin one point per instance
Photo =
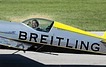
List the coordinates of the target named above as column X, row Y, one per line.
column 39, row 24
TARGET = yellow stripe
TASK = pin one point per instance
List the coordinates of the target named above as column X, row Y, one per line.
column 73, row 29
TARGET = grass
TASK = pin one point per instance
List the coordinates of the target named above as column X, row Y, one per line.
column 84, row 14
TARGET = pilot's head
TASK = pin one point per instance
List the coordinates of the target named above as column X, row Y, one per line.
column 35, row 23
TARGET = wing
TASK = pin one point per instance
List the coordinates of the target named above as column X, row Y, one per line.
column 13, row 44
column 32, row 46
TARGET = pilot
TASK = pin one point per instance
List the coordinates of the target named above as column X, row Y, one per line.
column 35, row 24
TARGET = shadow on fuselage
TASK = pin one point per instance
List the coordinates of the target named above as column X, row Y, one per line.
column 47, row 48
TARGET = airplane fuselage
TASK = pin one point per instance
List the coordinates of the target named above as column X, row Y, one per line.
column 60, row 37
column 50, row 40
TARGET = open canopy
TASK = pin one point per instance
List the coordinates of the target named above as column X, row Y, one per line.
column 39, row 24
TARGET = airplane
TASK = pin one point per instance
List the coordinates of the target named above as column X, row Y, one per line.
column 50, row 36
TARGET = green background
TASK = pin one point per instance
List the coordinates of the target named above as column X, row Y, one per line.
column 84, row 14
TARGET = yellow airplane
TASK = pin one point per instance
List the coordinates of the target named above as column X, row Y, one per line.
column 37, row 34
